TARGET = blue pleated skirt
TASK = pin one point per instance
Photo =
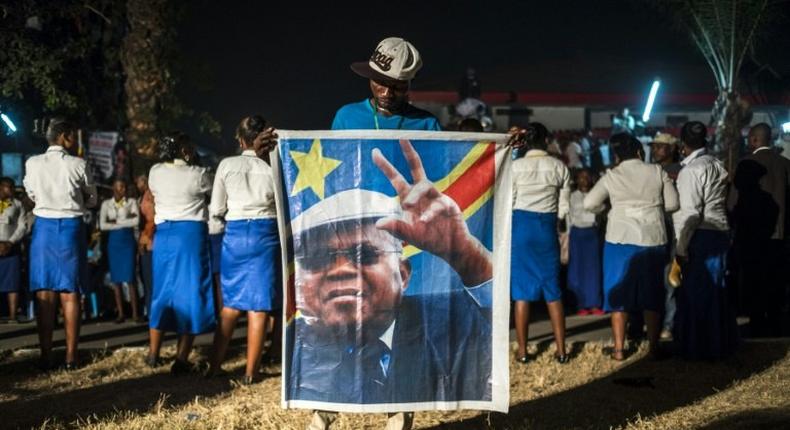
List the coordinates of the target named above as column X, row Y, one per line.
column 535, row 257
column 633, row 277
column 182, row 299
column 251, row 268
column 121, row 250
column 584, row 267
column 216, row 252
column 705, row 325
column 10, row 270
column 58, row 255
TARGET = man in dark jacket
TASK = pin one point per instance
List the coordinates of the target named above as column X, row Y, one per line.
column 758, row 206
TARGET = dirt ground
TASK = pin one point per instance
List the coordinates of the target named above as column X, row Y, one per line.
column 115, row 390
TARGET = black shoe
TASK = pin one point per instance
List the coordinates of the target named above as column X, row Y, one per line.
column 153, row 362
column 523, row 360
column 562, row 359
column 180, row 368
column 70, row 366
column 246, row 380
column 44, row 364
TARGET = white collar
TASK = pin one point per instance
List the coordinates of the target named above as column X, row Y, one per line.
column 691, row 157
column 53, row 148
column 760, row 149
column 387, row 336
column 536, row 153
column 249, row 153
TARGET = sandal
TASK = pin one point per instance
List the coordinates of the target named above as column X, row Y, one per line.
column 617, row 354
column 562, row 358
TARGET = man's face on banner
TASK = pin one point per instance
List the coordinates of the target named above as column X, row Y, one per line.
column 349, row 274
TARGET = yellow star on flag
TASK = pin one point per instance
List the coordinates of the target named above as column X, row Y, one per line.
column 313, row 168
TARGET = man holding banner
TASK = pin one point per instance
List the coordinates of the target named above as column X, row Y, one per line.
column 358, row 341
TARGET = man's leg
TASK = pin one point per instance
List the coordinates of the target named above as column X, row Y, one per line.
column 400, row 421
column 71, row 321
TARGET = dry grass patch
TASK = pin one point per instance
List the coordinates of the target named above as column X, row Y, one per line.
column 117, row 391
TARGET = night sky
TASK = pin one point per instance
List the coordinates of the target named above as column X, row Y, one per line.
column 290, row 60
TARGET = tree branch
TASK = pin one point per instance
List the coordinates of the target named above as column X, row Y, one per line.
column 752, row 31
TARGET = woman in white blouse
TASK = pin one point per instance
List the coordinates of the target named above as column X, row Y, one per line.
column 541, row 190
column 119, row 216
column 634, row 254
column 181, row 297
column 243, row 197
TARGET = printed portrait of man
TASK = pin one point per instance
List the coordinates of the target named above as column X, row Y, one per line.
column 359, row 337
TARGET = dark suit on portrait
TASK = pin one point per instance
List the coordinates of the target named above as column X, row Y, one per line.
column 758, row 207
column 441, row 351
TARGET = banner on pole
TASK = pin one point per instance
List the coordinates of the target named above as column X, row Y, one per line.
column 100, row 152
column 396, row 247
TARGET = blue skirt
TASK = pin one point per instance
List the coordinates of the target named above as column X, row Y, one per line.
column 216, row 252
column 182, row 299
column 58, row 255
column 121, row 252
column 633, row 277
column 705, row 325
column 584, row 267
column 10, row 270
column 251, row 265
column 535, row 257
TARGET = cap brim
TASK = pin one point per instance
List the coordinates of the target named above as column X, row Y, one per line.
column 363, row 69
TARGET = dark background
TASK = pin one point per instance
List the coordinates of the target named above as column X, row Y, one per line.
column 290, row 60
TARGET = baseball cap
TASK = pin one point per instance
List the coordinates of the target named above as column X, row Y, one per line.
column 394, row 60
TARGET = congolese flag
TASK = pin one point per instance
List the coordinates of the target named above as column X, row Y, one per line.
column 396, row 253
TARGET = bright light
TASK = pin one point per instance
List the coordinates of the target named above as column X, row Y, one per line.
column 650, row 100
column 8, row 123
column 786, row 127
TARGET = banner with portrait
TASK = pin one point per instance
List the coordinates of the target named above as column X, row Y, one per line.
column 396, row 250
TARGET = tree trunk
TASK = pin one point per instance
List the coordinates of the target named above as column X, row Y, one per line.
column 143, row 56
column 730, row 115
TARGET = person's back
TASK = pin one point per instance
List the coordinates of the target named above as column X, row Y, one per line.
column 636, row 192
column 248, row 188
column 179, row 191
column 776, row 182
column 57, row 182
column 538, row 180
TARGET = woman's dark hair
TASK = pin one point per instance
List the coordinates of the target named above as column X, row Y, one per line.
column 625, row 146
column 535, row 138
column 58, row 126
column 693, row 134
column 249, row 128
column 172, row 145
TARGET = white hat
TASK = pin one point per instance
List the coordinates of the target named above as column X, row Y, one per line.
column 345, row 206
column 665, row 138
column 393, row 60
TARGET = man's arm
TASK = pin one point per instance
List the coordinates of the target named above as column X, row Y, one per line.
column 88, row 187
column 689, row 216
column 432, row 221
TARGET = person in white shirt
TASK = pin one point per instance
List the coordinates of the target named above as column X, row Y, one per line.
column 119, row 216
column 634, row 253
column 706, row 326
column 12, row 230
column 61, row 185
column 541, row 188
column 243, row 198
column 584, row 263
column 573, row 153
column 181, row 298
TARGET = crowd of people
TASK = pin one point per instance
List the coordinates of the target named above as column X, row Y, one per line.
column 655, row 243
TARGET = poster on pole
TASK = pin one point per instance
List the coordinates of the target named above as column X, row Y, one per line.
column 396, row 249
column 100, row 152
